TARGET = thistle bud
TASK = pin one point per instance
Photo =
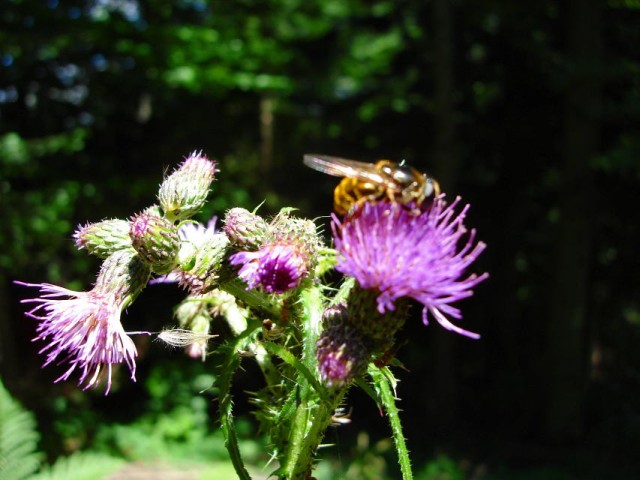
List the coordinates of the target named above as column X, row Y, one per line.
column 201, row 270
column 246, row 230
column 342, row 354
column 302, row 232
column 156, row 240
column 365, row 316
column 154, row 210
column 184, row 192
column 103, row 238
column 123, row 275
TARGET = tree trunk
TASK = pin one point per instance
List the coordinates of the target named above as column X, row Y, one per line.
column 567, row 320
column 266, row 136
column 8, row 353
column 445, row 162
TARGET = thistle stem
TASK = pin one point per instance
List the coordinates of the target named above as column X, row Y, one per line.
column 382, row 381
column 252, row 298
column 313, row 415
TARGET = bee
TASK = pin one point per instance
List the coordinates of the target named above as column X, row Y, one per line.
column 372, row 182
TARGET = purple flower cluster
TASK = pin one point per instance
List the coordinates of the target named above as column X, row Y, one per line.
column 391, row 250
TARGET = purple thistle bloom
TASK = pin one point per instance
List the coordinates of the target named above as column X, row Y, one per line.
column 389, row 249
column 83, row 330
column 277, row 266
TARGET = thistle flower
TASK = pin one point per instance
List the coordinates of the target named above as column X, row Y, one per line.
column 284, row 258
column 198, row 233
column 183, row 193
column 83, row 329
column 396, row 253
column 277, row 266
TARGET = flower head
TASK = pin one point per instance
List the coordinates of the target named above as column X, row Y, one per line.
column 277, row 266
column 285, row 256
column 201, row 265
column 83, row 329
column 397, row 253
column 193, row 236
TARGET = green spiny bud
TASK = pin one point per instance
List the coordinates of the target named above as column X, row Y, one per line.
column 103, row 238
column 200, row 274
column 245, row 230
column 285, row 226
column 183, row 193
column 156, row 240
column 124, row 275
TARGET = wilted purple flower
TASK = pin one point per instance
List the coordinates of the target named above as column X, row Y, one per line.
column 390, row 249
column 83, row 329
column 277, row 267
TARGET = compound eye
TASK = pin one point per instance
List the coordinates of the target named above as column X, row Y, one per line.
column 403, row 176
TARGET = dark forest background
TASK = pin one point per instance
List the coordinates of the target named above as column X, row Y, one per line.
column 528, row 110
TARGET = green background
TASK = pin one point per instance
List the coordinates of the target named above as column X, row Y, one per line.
column 528, row 110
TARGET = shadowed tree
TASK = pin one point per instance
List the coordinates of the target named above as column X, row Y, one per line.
column 568, row 308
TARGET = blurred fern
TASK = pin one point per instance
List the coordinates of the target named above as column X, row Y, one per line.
column 80, row 466
column 18, row 439
column 20, row 459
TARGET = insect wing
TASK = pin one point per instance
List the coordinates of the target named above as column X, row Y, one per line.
column 342, row 167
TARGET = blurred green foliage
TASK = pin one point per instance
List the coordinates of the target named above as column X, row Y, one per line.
column 19, row 456
column 99, row 98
